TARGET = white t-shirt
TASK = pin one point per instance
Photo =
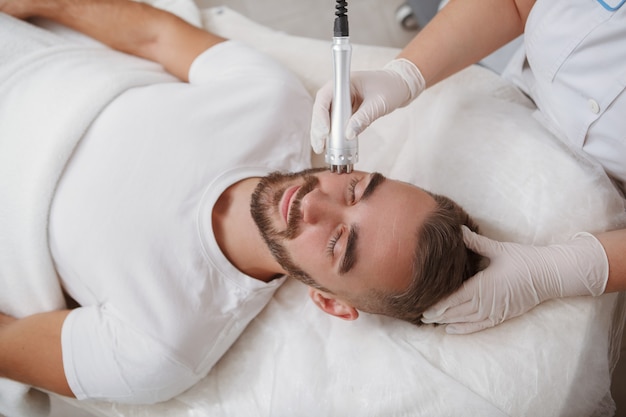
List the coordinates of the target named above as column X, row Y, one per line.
column 574, row 68
column 131, row 231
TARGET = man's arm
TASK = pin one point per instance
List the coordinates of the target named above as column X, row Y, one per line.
column 135, row 28
column 30, row 351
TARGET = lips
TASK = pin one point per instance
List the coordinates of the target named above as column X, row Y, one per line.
column 287, row 201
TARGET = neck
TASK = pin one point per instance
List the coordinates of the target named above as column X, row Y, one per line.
column 237, row 234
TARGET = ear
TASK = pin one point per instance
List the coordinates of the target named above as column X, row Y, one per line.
column 333, row 306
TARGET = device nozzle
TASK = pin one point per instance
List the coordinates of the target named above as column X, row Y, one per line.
column 341, row 169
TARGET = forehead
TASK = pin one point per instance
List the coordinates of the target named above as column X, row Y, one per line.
column 388, row 223
column 390, row 233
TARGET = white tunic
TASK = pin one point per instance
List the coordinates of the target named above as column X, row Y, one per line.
column 131, row 231
column 574, row 68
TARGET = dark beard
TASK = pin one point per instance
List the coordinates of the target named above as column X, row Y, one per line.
column 267, row 195
column 264, row 203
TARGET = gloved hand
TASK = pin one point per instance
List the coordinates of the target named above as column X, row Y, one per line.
column 518, row 278
column 374, row 94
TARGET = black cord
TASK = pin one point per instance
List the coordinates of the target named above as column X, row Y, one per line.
column 341, row 21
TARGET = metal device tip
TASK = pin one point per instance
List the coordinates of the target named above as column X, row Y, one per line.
column 340, row 169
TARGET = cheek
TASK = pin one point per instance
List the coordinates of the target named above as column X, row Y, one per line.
column 307, row 250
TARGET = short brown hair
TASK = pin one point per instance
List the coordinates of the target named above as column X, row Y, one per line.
column 441, row 263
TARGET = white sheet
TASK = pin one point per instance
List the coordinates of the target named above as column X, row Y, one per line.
column 474, row 139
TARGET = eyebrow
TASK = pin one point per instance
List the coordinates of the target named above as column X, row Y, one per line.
column 375, row 180
column 349, row 257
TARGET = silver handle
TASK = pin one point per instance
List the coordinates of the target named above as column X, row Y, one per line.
column 341, row 153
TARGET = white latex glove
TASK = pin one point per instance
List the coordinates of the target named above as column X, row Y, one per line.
column 374, row 94
column 518, row 278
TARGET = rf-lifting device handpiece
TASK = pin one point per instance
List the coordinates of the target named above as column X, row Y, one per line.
column 341, row 153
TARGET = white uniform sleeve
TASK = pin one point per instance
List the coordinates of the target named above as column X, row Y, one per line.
column 105, row 358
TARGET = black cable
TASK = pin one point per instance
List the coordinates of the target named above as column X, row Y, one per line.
column 341, row 21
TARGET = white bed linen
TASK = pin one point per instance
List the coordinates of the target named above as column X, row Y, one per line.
column 473, row 138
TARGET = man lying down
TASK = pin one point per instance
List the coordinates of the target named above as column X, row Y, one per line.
column 154, row 224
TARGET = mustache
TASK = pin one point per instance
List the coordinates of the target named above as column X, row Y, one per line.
column 295, row 214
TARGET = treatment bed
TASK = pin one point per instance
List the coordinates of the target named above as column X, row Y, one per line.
column 472, row 137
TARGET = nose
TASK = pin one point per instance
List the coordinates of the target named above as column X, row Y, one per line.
column 318, row 206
